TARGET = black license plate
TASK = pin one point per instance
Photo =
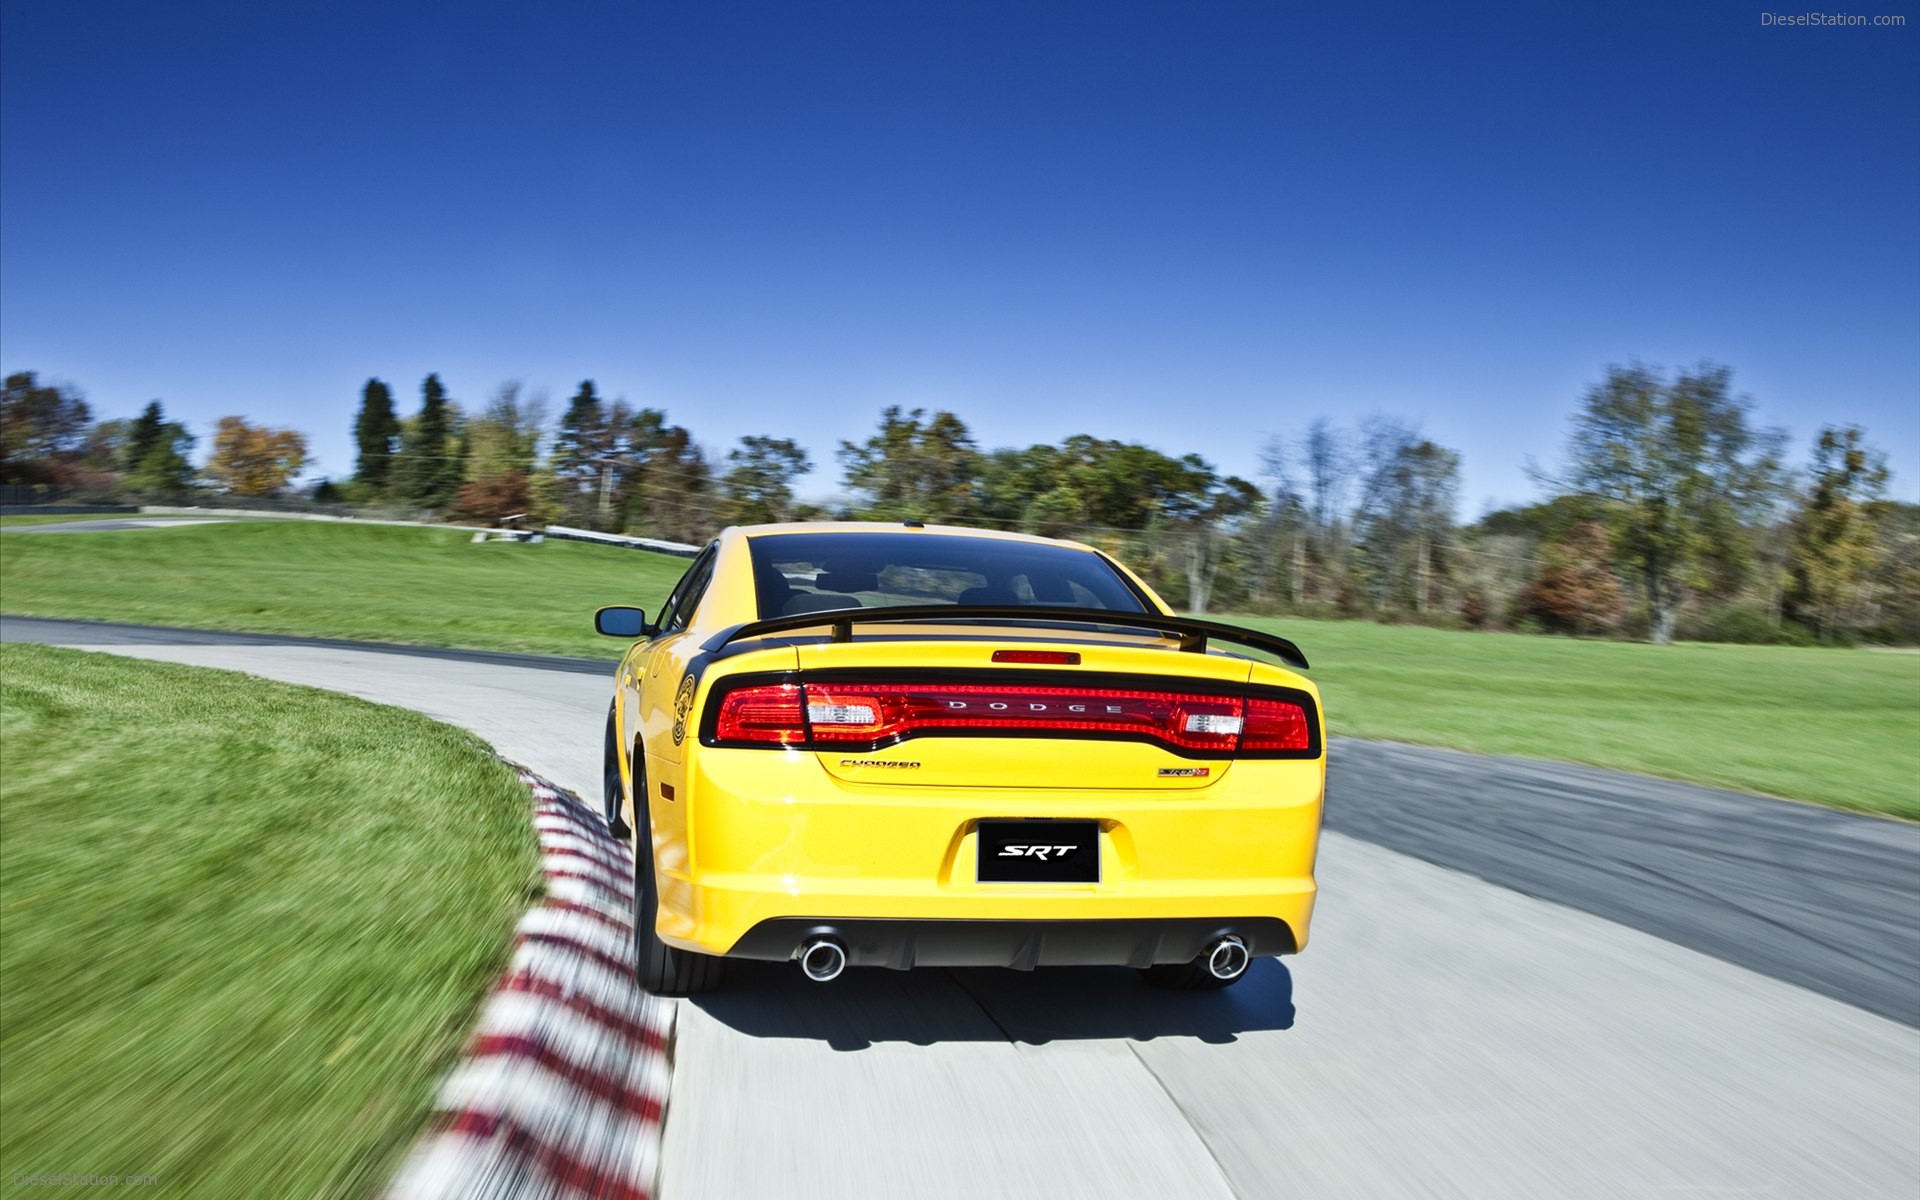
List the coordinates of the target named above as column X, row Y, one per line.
column 1039, row 852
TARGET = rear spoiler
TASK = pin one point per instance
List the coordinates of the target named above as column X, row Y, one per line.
column 1193, row 634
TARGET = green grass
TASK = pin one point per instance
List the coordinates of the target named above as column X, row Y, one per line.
column 1840, row 727
column 246, row 925
column 429, row 587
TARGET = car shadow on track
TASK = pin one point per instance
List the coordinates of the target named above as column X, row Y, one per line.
column 865, row 1007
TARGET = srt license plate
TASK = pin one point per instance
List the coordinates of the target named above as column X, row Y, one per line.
column 1039, row 852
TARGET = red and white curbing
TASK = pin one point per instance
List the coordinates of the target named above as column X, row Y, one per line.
column 562, row 1089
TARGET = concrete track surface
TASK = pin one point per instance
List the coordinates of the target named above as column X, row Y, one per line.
column 1442, row 1036
column 99, row 526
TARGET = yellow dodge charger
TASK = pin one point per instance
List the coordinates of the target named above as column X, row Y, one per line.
column 898, row 746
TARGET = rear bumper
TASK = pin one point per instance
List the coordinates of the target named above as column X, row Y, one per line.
column 1022, row 945
column 761, row 844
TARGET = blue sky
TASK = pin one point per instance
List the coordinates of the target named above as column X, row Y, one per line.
column 1197, row 225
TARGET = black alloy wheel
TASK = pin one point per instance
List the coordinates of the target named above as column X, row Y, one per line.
column 610, row 797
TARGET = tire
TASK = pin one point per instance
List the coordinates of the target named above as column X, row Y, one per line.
column 1187, row 976
column 610, row 797
column 662, row 969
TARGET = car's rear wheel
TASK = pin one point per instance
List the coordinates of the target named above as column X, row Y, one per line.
column 610, row 796
column 662, row 969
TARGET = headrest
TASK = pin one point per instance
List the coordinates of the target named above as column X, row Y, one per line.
column 847, row 581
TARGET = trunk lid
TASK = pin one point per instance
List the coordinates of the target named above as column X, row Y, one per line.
column 1038, row 745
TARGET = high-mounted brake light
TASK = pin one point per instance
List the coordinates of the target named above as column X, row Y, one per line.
column 1062, row 658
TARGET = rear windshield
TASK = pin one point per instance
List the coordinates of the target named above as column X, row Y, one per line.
column 819, row 572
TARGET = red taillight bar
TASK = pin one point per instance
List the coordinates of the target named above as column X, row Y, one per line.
column 873, row 713
column 773, row 715
column 1275, row 725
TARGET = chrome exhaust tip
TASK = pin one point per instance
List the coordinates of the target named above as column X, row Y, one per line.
column 822, row 959
column 1228, row 958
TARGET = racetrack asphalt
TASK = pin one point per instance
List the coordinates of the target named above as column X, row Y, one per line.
column 1559, row 1034
column 1825, row 899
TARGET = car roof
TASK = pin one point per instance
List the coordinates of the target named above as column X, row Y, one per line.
column 858, row 527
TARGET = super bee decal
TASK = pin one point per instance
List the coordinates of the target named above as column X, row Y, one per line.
column 682, row 705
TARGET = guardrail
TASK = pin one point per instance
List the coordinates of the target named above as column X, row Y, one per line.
column 567, row 533
column 563, row 532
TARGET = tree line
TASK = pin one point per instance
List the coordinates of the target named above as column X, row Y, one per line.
column 51, row 444
column 1673, row 515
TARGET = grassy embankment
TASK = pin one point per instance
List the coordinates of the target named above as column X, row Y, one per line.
column 247, row 925
column 429, row 587
column 1840, row 727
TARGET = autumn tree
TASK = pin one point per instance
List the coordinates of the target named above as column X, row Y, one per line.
column 498, row 448
column 1896, row 582
column 376, row 435
column 1576, row 591
column 43, row 430
column 253, row 460
column 494, row 497
column 758, row 485
column 504, row 437
column 1678, row 471
column 1500, row 555
column 1835, row 542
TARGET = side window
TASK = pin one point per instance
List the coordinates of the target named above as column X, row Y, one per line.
column 686, row 597
column 676, row 599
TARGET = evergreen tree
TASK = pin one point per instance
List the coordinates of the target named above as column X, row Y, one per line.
column 143, row 435
column 429, row 471
column 164, row 470
column 583, row 459
column 376, row 431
